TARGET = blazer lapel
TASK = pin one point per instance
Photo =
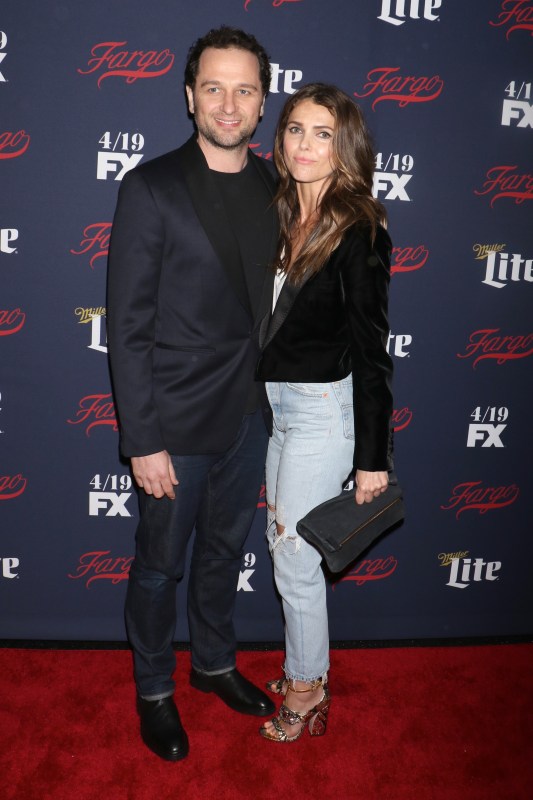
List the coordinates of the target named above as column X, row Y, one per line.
column 211, row 212
column 272, row 322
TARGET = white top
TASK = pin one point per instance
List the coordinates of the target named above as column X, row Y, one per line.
column 279, row 280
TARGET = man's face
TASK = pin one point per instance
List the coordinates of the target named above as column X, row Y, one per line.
column 227, row 100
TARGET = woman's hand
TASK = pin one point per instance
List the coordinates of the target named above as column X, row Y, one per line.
column 369, row 485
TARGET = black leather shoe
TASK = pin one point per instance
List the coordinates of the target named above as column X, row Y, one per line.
column 234, row 690
column 161, row 728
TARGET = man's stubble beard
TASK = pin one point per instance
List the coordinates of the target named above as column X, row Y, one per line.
column 219, row 139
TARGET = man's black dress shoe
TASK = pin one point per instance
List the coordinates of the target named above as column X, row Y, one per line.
column 161, row 728
column 235, row 690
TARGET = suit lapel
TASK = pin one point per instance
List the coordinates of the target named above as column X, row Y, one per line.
column 265, row 301
column 211, row 212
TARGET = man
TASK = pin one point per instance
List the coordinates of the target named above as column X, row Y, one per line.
column 193, row 234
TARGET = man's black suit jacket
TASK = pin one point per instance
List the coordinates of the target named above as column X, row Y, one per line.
column 182, row 337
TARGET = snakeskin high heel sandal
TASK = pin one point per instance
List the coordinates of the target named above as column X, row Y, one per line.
column 315, row 719
column 277, row 686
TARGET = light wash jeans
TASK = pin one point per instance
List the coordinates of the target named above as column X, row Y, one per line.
column 309, row 457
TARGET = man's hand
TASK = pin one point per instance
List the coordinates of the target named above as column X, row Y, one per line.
column 369, row 485
column 155, row 474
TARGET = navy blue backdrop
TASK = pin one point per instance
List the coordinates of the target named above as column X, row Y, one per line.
column 87, row 90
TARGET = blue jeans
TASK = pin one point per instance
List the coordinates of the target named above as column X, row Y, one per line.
column 218, row 494
column 310, row 455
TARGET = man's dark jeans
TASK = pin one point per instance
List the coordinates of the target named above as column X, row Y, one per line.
column 218, row 494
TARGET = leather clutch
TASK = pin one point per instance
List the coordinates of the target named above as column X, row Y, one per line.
column 341, row 530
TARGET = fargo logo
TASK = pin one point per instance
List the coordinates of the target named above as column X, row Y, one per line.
column 485, row 344
column 100, row 565
column 12, row 486
column 95, row 410
column 275, row 3
column 13, row 145
column 369, row 570
column 473, row 496
column 397, row 11
column 401, row 418
column 505, row 181
column 111, row 61
column 516, row 14
column 408, row 259
column 465, row 570
column 11, row 321
column 385, row 84
column 94, row 242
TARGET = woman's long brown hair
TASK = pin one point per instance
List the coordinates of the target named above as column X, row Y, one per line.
column 347, row 199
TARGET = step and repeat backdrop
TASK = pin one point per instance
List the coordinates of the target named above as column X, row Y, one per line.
column 88, row 91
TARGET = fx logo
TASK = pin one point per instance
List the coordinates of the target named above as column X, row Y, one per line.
column 520, row 110
column 115, row 501
column 244, row 580
column 488, row 434
column 110, row 162
column 397, row 183
column 8, row 565
column 7, row 236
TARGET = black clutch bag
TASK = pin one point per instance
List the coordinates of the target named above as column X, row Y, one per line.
column 341, row 530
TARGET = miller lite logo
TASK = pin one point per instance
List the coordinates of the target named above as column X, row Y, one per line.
column 487, row 344
column 465, row 570
column 517, row 15
column 397, row 11
column 8, row 236
column 110, row 60
column 506, row 181
column 385, row 84
column 9, row 565
column 95, row 318
column 502, row 267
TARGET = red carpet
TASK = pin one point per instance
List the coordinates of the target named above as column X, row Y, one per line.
column 431, row 723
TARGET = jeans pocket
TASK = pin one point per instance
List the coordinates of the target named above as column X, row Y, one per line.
column 344, row 394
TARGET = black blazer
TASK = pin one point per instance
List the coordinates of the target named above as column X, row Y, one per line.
column 336, row 323
column 180, row 328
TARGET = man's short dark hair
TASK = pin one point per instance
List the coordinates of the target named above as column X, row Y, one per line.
column 224, row 38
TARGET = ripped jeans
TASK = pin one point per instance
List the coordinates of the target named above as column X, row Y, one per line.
column 310, row 455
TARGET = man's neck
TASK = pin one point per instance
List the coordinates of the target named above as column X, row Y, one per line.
column 222, row 160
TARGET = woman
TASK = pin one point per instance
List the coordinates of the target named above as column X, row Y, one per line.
column 329, row 322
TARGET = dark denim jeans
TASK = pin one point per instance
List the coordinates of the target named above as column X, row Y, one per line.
column 218, row 494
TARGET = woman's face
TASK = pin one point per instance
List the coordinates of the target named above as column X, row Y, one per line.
column 307, row 143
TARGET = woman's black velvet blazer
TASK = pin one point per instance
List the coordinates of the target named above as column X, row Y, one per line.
column 335, row 323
